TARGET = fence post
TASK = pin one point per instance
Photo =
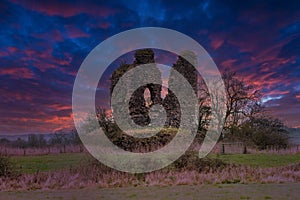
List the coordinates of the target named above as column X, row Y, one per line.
column 223, row 149
column 245, row 149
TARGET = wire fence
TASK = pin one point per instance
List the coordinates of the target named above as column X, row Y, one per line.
column 242, row 148
column 30, row 151
column 220, row 148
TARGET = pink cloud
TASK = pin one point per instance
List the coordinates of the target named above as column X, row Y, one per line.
column 217, row 40
column 44, row 60
column 59, row 107
column 11, row 95
column 23, row 125
column 12, row 49
column 67, row 9
column 55, row 35
column 4, row 54
column 228, row 63
column 216, row 43
column 18, row 73
column 75, row 32
column 278, row 92
column 104, row 25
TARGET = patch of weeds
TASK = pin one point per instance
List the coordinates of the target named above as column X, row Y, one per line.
column 244, row 197
column 191, row 161
column 234, row 181
column 132, row 196
column 172, row 178
column 141, row 177
column 7, row 167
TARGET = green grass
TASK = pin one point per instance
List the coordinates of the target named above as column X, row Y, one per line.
column 32, row 164
column 261, row 160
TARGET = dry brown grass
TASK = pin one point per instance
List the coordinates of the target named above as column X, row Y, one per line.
column 101, row 176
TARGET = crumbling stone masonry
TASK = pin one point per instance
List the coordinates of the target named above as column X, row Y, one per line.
column 137, row 104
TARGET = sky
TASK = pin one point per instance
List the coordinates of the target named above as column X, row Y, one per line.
column 43, row 43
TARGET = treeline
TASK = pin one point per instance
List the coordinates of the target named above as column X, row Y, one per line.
column 39, row 140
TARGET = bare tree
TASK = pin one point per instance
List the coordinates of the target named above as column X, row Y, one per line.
column 242, row 101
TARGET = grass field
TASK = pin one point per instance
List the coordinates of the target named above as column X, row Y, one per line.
column 32, row 164
column 222, row 191
column 260, row 160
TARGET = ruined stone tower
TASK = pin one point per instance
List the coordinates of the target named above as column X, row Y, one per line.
column 137, row 105
column 189, row 72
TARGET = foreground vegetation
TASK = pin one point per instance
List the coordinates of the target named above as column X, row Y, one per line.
column 73, row 171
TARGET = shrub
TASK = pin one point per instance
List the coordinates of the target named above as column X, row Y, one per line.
column 260, row 132
column 190, row 161
column 6, row 166
column 269, row 133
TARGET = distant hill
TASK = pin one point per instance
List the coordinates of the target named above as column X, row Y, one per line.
column 47, row 137
column 294, row 135
column 14, row 137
